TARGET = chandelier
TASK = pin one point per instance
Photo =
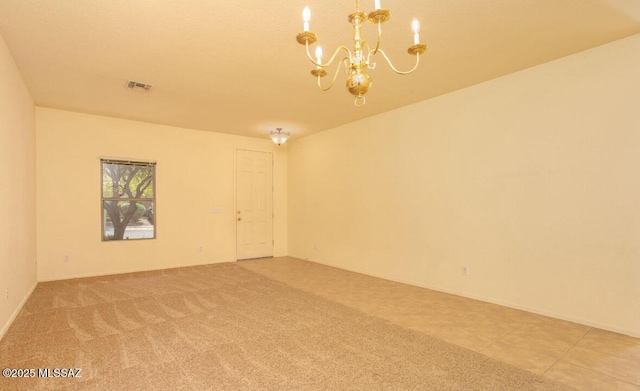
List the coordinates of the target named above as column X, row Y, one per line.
column 356, row 62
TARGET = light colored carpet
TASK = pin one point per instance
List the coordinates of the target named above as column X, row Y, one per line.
column 222, row 327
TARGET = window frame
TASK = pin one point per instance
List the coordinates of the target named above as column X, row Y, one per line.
column 145, row 163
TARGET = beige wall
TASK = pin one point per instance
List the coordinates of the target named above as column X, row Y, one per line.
column 532, row 181
column 195, row 173
column 18, row 195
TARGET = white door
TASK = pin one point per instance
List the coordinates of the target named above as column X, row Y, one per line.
column 254, row 214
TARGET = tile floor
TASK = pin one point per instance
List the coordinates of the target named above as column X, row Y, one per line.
column 580, row 356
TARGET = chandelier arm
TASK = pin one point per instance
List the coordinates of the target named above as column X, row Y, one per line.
column 394, row 68
column 335, row 76
column 345, row 62
column 374, row 51
column 330, row 60
column 370, row 53
column 365, row 45
column 366, row 48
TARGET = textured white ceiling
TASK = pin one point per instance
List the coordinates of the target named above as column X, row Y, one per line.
column 235, row 66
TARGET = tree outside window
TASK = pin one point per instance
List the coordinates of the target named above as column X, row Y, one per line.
column 128, row 200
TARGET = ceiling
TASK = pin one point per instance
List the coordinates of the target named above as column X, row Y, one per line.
column 235, row 66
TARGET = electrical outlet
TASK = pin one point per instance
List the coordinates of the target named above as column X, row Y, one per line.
column 200, row 248
column 66, row 257
column 465, row 271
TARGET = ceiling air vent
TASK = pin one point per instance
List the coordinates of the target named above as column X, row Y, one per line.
column 134, row 85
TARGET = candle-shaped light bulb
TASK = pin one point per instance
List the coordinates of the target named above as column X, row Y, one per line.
column 306, row 17
column 319, row 54
column 377, row 4
column 415, row 27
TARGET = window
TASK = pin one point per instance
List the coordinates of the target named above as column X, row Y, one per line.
column 128, row 200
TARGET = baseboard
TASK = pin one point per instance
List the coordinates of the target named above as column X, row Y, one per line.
column 13, row 316
column 631, row 333
column 141, row 270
